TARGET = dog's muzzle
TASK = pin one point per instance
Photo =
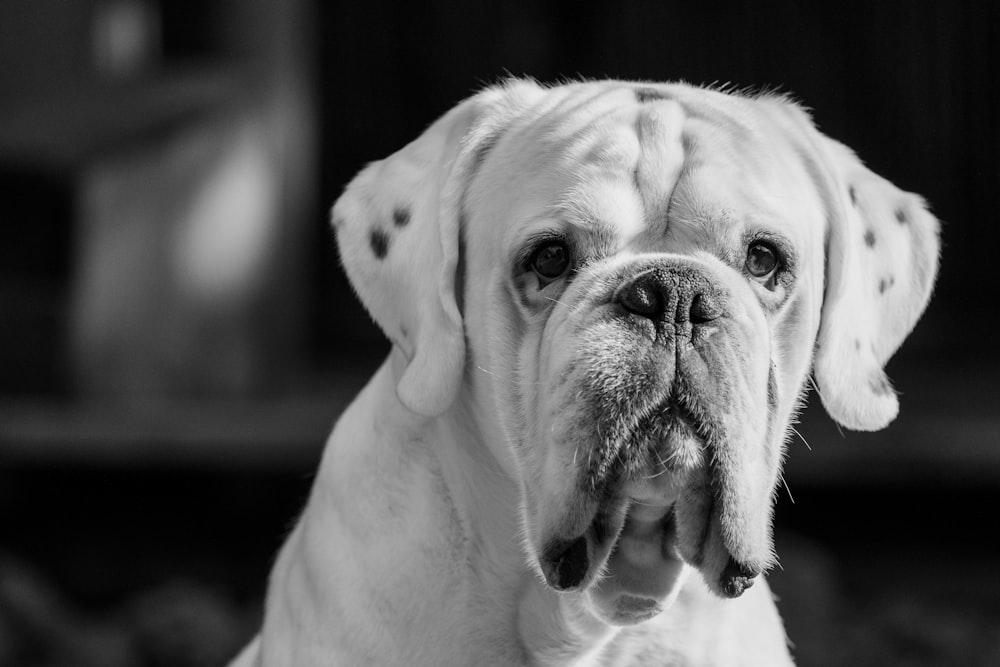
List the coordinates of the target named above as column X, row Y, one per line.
column 654, row 493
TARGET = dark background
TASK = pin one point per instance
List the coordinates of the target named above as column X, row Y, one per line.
column 168, row 373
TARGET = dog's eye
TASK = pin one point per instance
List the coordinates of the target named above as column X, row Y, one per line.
column 550, row 261
column 762, row 259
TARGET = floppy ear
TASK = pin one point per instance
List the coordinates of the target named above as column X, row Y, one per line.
column 882, row 257
column 397, row 227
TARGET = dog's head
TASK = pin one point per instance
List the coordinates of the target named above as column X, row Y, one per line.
column 633, row 282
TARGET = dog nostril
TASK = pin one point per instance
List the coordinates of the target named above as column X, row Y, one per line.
column 703, row 309
column 643, row 298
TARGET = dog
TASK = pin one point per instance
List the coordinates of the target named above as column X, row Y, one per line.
column 605, row 300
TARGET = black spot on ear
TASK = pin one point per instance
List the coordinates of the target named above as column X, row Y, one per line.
column 403, row 331
column 853, row 194
column 870, row 238
column 400, row 217
column 379, row 241
column 337, row 221
column 880, row 385
column 901, row 216
column 649, row 95
column 885, row 283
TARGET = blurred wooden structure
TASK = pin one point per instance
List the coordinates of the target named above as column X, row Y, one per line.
column 166, row 259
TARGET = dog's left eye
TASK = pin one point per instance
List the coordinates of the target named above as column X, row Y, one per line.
column 550, row 261
column 762, row 259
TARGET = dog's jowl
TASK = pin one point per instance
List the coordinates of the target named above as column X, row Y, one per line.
column 605, row 300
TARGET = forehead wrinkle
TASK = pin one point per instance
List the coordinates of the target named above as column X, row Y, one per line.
column 603, row 199
column 659, row 133
column 731, row 113
column 565, row 126
column 580, row 102
column 695, row 220
column 613, row 149
column 602, row 239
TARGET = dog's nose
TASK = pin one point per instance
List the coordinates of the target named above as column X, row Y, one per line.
column 671, row 295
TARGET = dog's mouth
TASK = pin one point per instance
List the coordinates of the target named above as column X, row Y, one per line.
column 644, row 569
column 672, row 465
column 632, row 557
column 627, row 560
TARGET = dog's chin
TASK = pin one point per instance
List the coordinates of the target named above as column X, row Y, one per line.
column 644, row 572
column 626, row 564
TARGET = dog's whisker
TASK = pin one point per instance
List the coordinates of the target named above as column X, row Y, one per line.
column 812, row 382
column 664, row 464
column 804, row 441
column 561, row 303
column 787, row 490
column 644, row 504
column 662, row 471
column 505, row 378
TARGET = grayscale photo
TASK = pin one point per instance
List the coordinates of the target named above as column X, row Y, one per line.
column 551, row 334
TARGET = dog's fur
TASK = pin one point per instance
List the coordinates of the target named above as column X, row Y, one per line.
column 580, row 469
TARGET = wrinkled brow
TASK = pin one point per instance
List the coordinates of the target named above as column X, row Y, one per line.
column 591, row 234
column 589, row 239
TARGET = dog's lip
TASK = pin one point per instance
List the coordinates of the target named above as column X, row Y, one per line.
column 644, row 565
column 635, row 523
column 626, row 561
column 572, row 562
column 647, row 543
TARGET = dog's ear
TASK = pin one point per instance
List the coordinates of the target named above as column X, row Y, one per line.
column 881, row 261
column 398, row 229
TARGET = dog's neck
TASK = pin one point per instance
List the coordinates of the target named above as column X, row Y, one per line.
column 435, row 549
column 438, row 547
column 481, row 481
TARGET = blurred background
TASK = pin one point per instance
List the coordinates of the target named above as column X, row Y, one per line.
column 176, row 335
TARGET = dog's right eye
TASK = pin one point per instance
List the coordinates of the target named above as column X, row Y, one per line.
column 762, row 259
column 550, row 261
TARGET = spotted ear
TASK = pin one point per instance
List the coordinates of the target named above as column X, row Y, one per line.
column 397, row 227
column 882, row 257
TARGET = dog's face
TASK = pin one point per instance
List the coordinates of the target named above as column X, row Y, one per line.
column 638, row 280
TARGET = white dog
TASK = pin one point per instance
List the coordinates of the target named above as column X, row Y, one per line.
column 605, row 300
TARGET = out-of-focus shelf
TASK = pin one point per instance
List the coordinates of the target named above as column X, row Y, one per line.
column 275, row 434
column 60, row 132
column 239, row 434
